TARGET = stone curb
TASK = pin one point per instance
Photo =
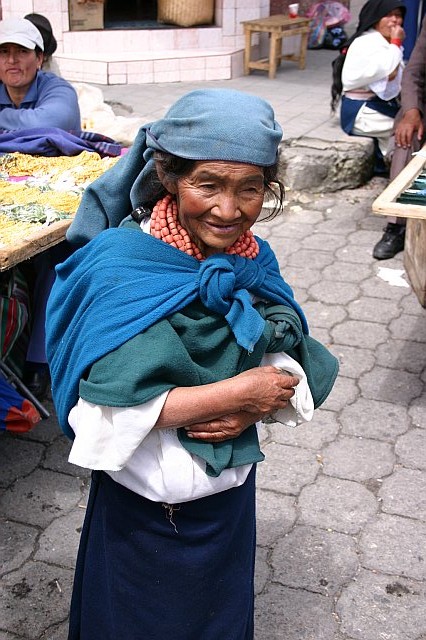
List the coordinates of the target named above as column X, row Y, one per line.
column 311, row 164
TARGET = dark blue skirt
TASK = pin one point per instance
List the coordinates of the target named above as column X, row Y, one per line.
column 148, row 572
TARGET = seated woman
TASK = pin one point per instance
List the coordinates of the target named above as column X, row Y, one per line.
column 31, row 98
column 169, row 336
column 368, row 75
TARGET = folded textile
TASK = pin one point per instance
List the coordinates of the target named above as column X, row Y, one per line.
column 52, row 141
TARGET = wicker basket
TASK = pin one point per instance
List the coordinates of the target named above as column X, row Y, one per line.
column 185, row 13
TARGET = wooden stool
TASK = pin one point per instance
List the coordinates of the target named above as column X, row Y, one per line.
column 278, row 27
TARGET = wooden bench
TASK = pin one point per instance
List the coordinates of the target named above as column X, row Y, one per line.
column 415, row 237
column 278, row 27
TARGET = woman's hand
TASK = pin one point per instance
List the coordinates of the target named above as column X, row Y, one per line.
column 397, row 33
column 224, row 428
column 263, row 390
column 258, row 392
column 406, row 129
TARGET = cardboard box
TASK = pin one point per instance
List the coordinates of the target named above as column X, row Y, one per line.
column 86, row 15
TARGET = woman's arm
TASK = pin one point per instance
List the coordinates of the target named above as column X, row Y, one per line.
column 106, row 437
column 413, row 95
column 224, row 428
column 222, row 410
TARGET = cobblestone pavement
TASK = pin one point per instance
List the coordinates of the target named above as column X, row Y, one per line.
column 341, row 501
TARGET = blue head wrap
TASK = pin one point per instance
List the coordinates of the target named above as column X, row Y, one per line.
column 218, row 124
column 206, row 124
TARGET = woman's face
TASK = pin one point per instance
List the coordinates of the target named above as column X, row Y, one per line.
column 18, row 66
column 218, row 201
column 392, row 19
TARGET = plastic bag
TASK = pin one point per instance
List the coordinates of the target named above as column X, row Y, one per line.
column 325, row 15
column 334, row 12
column 17, row 414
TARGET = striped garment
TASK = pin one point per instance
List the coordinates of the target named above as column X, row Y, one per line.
column 14, row 319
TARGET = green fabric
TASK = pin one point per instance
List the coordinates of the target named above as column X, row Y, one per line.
column 196, row 347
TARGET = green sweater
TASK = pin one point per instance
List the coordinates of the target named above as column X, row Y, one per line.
column 196, row 347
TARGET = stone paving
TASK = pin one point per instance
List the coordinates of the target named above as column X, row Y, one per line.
column 341, row 501
column 342, row 506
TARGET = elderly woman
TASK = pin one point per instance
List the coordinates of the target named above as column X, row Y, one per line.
column 169, row 338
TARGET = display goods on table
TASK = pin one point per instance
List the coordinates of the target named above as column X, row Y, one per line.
column 38, row 198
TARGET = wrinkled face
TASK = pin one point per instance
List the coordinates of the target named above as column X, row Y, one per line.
column 218, row 201
column 18, row 66
column 392, row 19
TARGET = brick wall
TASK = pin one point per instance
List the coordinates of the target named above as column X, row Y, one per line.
column 281, row 6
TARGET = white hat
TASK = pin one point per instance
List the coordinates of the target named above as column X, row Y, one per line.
column 20, row 31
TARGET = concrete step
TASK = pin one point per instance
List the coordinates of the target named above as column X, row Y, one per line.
column 143, row 67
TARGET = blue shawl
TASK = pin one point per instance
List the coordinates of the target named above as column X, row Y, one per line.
column 124, row 281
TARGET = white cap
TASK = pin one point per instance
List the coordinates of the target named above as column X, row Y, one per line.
column 20, row 31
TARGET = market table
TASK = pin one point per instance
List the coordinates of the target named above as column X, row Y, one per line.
column 36, row 242
column 38, row 200
column 415, row 238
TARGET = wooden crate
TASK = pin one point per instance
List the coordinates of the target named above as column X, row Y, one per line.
column 415, row 237
column 415, row 256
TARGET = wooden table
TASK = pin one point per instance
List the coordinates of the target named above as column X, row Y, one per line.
column 77, row 171
column 278, row 27
column 415, row 236
column 41, row 239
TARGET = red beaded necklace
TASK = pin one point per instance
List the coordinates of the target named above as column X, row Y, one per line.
column 165, row 226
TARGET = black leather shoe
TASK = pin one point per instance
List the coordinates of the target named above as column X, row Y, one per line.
column 38, row 381
column 392, row 242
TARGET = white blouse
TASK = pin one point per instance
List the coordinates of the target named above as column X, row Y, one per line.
column 152, row 462
column 369, row 61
